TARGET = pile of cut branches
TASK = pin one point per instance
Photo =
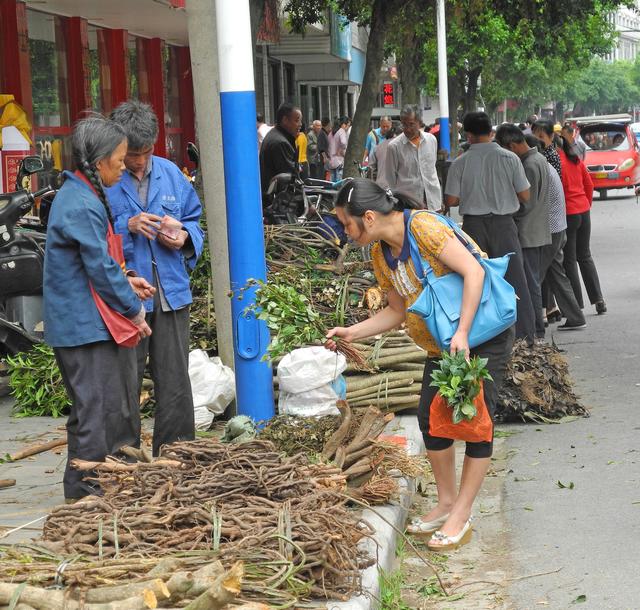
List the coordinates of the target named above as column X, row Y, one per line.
column 537, row 387
column 284, row 518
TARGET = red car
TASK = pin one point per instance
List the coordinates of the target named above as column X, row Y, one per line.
column 612, row 152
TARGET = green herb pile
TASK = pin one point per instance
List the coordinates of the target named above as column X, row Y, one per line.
column 37, row 384
column 458, row 381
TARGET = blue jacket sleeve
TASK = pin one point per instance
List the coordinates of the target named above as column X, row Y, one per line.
column 89, row 232
column 121, row 226
column 191, row 211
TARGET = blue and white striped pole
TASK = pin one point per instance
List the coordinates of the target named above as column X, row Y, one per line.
column 254, row 382
column 443, row 83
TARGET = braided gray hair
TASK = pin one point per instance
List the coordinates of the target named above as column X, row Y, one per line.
column 95, row 138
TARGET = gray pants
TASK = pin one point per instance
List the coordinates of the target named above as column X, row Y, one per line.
column 168, row 351
column 100, row 379
column 532, row 261
column 558, row 284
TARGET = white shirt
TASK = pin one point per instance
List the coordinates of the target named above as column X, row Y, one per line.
column 412, row 169
column 263, row 130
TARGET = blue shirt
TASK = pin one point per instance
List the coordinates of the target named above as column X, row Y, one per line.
column 75, row 256
column 169, row 194
column 370, row 144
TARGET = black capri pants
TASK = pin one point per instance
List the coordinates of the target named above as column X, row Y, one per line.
column 498, row 352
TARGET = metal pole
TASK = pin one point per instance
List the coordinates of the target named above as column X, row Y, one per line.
column 254, row 380
column 443, row 84
column 204, row 65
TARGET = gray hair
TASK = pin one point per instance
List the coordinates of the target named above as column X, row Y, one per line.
column 385, row 118
column 139, row 122
column 508, row 134
column 411, row 110
column 93, row 139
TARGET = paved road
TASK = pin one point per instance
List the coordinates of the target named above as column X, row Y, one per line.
column 590, row 533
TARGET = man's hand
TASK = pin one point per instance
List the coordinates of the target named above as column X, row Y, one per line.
column 141, row 287
column 174, row 244
column 145, row 224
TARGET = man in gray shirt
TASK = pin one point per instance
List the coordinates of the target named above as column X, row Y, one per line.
column 489, row 183
column 532, row 219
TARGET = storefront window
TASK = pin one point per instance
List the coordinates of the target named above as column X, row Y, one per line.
column 94, row 70
column 48, row 70
column 173, row 125
column 51, row 124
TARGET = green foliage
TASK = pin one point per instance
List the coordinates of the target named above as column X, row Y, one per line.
column 37, row 384
column 458, row 381
column 391, row 590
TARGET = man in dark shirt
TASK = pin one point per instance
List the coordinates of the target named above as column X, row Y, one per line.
column 278, row 154
column 323, row 143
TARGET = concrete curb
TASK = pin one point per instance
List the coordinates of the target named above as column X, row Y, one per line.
column 385, row 541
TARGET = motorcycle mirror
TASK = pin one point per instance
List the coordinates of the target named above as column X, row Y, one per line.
column 31, row 165
column 193, row 153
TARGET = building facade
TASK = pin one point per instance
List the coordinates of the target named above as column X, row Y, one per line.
column 60, row 58
column 627, row 24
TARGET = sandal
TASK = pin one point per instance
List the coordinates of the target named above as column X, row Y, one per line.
column 442, row 542
column 418, row 527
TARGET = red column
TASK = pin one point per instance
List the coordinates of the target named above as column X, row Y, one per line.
column 155, row 69
column 187, row 111
column 78, row 66
column 14, row 53
column 114, row 67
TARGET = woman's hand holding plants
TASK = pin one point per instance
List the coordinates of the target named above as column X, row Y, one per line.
column 339, row 332
column 460, row 343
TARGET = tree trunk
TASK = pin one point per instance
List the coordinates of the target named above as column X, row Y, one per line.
column 456, row 91
column 370, row 84
column 409, row 68
column 470, row 102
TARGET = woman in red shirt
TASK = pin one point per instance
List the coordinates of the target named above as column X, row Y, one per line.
column 578, row 193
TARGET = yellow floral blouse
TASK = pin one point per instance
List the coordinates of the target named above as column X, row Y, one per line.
column 431, row 235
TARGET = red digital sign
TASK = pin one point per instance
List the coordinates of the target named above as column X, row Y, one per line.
column 388, row 95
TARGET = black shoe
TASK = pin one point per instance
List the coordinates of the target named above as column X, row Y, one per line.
column 601, row 307
column 554, row 316
column 567, row 326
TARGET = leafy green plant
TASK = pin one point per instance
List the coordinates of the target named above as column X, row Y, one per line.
column 458, row 381
column 37, row 384
column 391, row 590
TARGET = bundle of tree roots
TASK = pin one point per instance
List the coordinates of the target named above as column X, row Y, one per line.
column 537, row 386
column 282, row 518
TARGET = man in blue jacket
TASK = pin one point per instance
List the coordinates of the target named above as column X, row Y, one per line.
column 151, row 190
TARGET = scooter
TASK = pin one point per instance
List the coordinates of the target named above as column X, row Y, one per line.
column 22, row 243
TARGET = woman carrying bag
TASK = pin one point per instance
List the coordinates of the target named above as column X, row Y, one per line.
column 372, row 215
column 92, row 305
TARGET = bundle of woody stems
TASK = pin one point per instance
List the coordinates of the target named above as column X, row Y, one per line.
column 277, row 526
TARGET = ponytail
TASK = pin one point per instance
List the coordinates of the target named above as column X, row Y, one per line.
column 360, row 194
column 568, row 150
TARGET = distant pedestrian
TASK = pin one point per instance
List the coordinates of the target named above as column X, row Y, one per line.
column 411, row 162
column 323, row 145
column 278, row 154
column 532, row 219
column 338, row 148
column 378, row 159
column 316, row 169
column 263, row 128
column 544, row 131
column 531, row 119
column 489, row 184
column 301, row 146
column 375, row 137
column 578, row 193
column 556, row 286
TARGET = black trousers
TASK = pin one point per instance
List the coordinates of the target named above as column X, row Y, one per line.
column 317, row 170
column 498, row 352
column 100, row 379
column 497, row 236
column 556, row 283
column 532, row 262
column 577, row 253
column 168, row 351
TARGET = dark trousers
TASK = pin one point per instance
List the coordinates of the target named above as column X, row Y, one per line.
column 317, row 170
column 498, row 353
column 168, row 351
column 577, row 253
column 557, row 283
column 100, row 379
column 304, row 170
column 497, row 236
column 532, row 262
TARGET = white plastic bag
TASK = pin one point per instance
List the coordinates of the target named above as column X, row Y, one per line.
column 213, row 385
column 310, row 381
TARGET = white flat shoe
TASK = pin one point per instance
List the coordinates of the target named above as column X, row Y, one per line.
column 418, row 527
column 442, row 542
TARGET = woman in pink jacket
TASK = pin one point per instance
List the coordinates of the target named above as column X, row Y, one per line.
column 578, row 192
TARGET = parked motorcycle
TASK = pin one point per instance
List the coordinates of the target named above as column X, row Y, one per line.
column 22, row 243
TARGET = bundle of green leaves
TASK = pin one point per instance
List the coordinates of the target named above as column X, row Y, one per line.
column 459, row 381
column 37, row 384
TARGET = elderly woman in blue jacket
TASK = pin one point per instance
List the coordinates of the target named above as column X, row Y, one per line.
column 98, row 374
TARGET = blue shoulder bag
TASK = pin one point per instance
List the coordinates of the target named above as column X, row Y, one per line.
column 440, row 301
